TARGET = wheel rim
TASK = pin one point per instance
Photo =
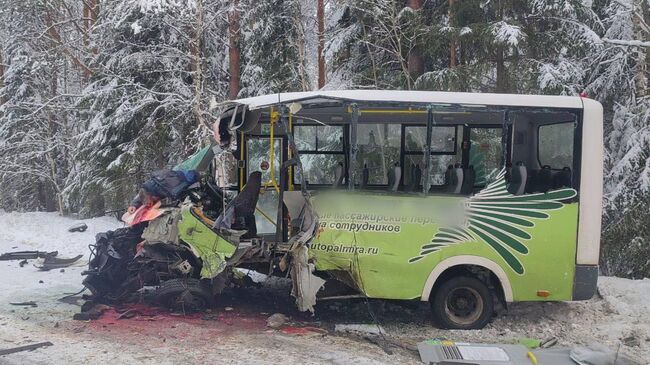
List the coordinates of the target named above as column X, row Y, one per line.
column 464, row 305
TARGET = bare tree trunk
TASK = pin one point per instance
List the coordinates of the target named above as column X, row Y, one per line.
column 234, row 51
column 372, row 58
column 414, row 4
column 502, row 77
column 52, row 129
column 453, row 45
column 642, row 53
column 56, row 37
column 86, row 21
column 90, row 13
column 320, row 14
column 305, row 83
column 2, row 75
column 415, row 60
column 196, row 64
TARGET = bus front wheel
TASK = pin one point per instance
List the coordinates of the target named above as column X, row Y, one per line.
column 462, row 303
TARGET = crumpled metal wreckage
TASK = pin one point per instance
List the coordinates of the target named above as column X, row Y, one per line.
column 187, row 257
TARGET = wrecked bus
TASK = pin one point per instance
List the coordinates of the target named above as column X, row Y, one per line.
column 458, row 199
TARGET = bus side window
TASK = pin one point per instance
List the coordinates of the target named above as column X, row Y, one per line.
column 445, row 151
column 555, row 145
column 555, row 155
column 321, row 151
column 542, row 152
column 379, row 150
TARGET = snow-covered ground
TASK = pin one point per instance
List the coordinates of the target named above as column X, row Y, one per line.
column 618, row 318
column 44, row 232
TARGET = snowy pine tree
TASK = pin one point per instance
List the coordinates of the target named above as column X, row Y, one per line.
column 146, row 106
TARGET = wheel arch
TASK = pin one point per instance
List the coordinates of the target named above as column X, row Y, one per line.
column 467, row 260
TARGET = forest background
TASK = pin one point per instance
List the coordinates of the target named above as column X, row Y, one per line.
column 96, row 94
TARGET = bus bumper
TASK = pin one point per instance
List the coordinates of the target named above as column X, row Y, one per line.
column 585, row 282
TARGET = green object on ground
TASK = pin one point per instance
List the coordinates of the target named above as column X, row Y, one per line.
column 531, row 343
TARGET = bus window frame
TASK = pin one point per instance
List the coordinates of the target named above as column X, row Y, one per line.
column 506, row 142
column 575, row 128
column 404, row 152
column 578, row 114
column 343, row 152
column 382, row 187
column 510, row 123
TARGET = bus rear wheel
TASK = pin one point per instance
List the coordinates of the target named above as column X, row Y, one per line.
column 462, row 303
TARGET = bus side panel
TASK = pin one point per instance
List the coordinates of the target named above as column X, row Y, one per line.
column 391, row 243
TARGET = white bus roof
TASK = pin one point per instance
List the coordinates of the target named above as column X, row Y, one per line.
column 403, row 96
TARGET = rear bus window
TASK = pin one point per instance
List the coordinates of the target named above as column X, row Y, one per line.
column 555, row 145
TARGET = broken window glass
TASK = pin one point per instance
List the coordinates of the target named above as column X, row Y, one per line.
column 443, row 139
column 379, row 150
column 321, row 150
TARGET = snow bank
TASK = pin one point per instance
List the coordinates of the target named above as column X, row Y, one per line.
column 626, row 297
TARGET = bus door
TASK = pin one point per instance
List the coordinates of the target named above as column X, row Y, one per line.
column 485, row 152
column 267, row 158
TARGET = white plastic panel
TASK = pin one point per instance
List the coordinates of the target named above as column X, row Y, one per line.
column 591, row 184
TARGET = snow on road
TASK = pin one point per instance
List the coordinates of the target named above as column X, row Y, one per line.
column 44, row 232
column 618, row 318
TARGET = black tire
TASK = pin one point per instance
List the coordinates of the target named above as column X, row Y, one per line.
column 184, row 295
column 462, row 303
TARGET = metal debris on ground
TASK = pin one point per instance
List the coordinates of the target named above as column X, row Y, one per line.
column 78, row 227
column 26, row 255
column 31, row 303
column 31, row 347
column 449, row 352
column 93, row 313
column 276, row 320
column 130, row 313
column 361, row 328
column 439, row 351
column 597, row 354
column 51, row 262
column 549, row 342
column 303, row 331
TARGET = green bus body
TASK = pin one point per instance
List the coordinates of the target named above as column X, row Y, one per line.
column 379, row 260
column 383, row 243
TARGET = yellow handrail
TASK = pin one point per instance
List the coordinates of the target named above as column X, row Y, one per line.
column 405, row 111
column 274, row 119
column 289, row 154
column 241, row 159
column 266, row 216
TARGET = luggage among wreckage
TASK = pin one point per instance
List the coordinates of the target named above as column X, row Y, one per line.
column 168, row 184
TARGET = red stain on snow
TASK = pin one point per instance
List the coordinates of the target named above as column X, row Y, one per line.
column 301, row 331
column 148, row 320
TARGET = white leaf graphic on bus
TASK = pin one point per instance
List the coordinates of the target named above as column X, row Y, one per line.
column 500, row 220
